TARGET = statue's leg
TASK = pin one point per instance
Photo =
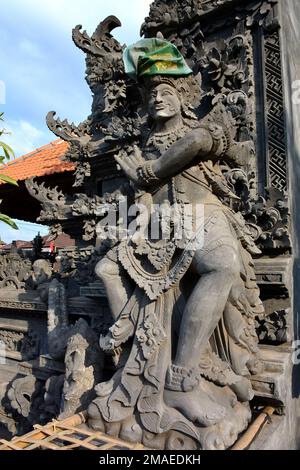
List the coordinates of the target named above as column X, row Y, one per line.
column 118, row 286
column 218, row 270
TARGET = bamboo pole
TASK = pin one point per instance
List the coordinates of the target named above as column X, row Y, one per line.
column 254, row 429
column 73, row 421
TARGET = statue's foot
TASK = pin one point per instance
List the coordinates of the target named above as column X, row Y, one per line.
column 222, row 395
column 196, row 406
column 243, row 389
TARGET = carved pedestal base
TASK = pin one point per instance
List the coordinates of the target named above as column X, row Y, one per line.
column 220, row 436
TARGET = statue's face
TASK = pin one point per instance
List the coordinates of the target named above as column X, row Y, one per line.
column 164, row 102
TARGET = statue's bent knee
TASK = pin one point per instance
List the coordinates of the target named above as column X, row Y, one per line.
column 230, row 269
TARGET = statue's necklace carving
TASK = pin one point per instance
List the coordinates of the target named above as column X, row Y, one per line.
column 162, row 141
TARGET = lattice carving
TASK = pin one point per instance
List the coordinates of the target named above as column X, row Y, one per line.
column 275, row 113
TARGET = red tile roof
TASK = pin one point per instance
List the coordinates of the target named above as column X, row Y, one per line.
column 18, row 244
column 43, row 161
column 62, row 241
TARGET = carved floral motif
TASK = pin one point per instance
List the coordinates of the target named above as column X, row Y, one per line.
column 14, row 271
column 27, row 344
column 273, row 328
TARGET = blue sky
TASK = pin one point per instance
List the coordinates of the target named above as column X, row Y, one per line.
column 43, row 70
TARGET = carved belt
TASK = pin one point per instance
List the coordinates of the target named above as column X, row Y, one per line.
column 155, row 283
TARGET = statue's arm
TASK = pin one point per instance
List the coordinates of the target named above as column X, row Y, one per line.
column 199, row 144
column 195, row 145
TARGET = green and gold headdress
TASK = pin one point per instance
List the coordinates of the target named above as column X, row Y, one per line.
column 155, row 56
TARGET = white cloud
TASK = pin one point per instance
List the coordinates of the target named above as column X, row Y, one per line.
column 23, row 137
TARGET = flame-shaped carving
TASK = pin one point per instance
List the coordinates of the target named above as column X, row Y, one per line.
column 102, row 42
column 65, row 130
column 45, row 195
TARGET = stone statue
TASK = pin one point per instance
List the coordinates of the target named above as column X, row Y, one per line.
column 183, row 306
column 77, row 345
column 201, row 162
column 41, row 278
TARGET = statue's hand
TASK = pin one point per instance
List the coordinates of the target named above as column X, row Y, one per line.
column 131, row 163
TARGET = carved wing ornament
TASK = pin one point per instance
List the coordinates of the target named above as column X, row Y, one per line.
column 110, row 123
column 44, row 194
column 56, row 206
column 102, row 42
column 66, row 131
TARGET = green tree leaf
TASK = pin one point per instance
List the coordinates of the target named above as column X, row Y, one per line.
column 8, row 179
column 8, row 151
column 7, row 220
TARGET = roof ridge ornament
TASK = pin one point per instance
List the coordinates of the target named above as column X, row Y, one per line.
column 101, row 42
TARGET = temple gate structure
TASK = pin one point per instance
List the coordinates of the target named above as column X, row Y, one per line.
column 234, row 68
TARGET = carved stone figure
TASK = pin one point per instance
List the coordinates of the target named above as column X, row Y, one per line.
column 77, row 345
column 25, row 399
column 40, row 278
column 83, row 361
column 188, row 310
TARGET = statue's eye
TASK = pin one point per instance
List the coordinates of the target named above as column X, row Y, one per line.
column 167, row 93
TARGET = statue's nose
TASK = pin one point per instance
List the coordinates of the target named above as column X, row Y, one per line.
column 158, row 99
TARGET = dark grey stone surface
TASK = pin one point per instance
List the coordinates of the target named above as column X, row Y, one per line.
column 226, row 137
